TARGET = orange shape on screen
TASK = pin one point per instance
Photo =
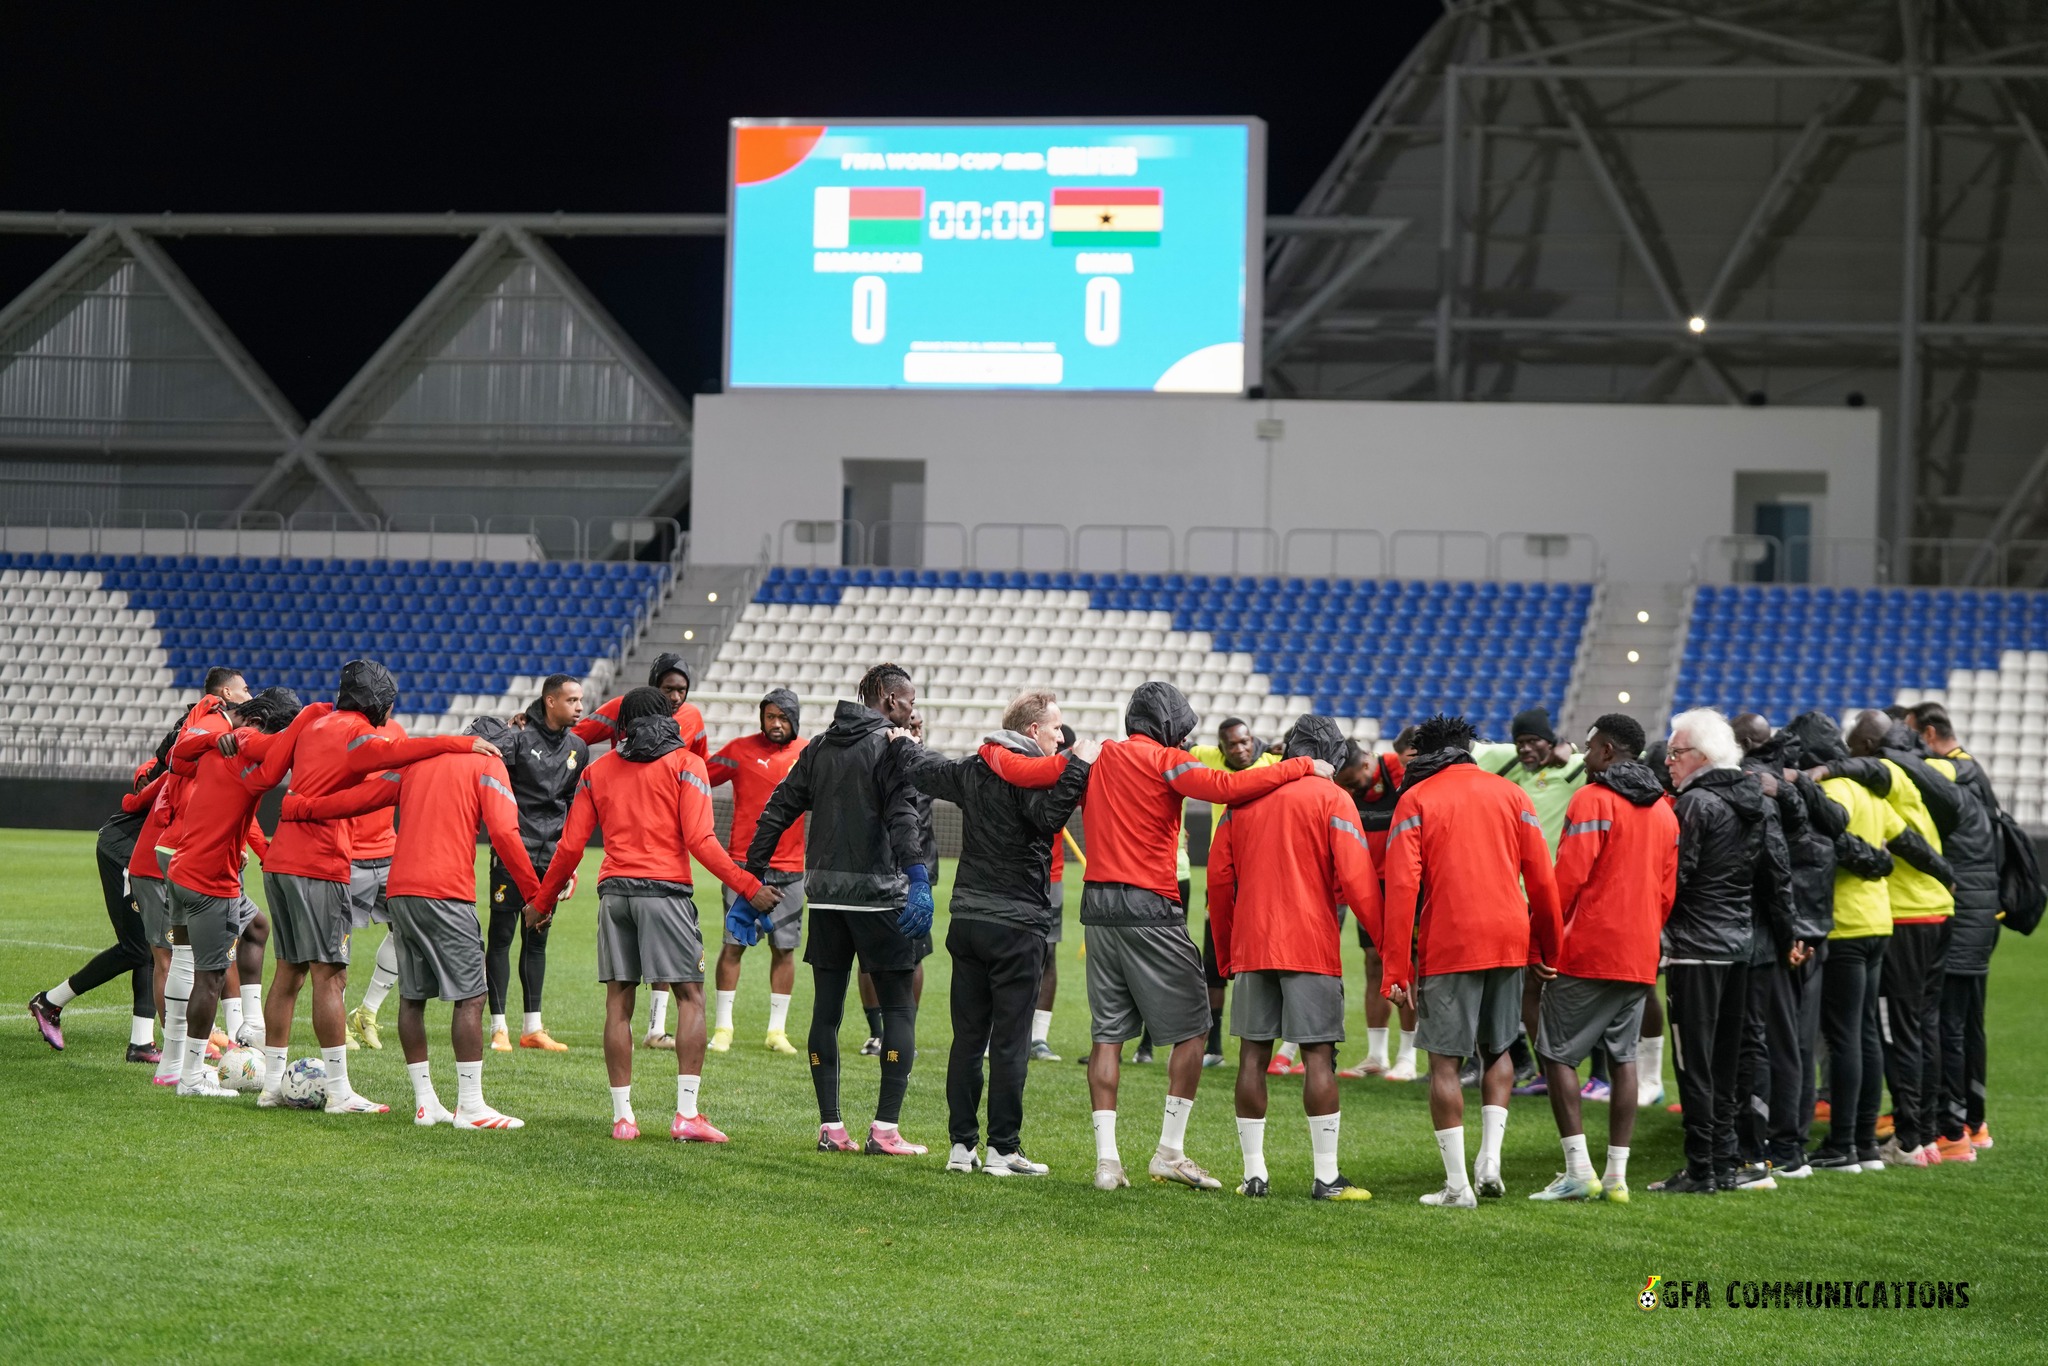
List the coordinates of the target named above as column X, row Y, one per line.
column 764, row 153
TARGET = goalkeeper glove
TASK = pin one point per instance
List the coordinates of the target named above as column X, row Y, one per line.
column 917, row 907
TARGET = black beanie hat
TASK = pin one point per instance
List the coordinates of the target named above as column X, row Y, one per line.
column 640, row 702
column 1536, row 722
column 1316, row 737
column 665, row 664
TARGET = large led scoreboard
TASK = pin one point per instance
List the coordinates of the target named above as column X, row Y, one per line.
column 995, row 255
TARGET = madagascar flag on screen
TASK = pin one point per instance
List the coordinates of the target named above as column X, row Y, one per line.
column 866, row 217
column 1106, row 218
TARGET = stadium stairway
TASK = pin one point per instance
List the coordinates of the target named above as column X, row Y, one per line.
column 1643, row 620
column 692, row 620
column 100, row 654
column 1375, row 654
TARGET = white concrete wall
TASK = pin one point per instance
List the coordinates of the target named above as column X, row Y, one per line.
column 1648, row 482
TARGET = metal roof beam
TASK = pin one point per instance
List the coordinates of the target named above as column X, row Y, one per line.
column 1291, row 328
column 1729, row 29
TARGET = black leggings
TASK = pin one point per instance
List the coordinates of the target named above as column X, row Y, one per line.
column 899, row 1038
column 507, row 916
column 129, row 952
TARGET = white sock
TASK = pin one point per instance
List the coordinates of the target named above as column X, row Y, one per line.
column 1407, row 1054
column 622, row 1104
column 1173, row 1134
column 1322, row 1140
column 195, row 1059
column 1289, row 1051
column 61, row 995
column 1650, row 1062
column 1251, row 1141
column 383, row 976
column 723, row 1019
column 497, row 1024
column 1041, row 1025
column 231, row 1016
column 686, row 1095
column 1617, row 1162
column 1450, row 1145
column 252, row 1003
column 177, row 996
column 1493, row 1127
column 531, row 1023
column 1376, row 1046
column 422, row 1087
column 657, row 1012
column 778, row 1012
column 469, row 1086
column 1576, row 1163
column 1105, row 1135
column 141, row 1030
column 336, row 1060
column 274, row 1064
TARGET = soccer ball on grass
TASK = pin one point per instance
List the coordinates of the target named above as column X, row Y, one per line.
column 241, row 1069
column 305, row 1085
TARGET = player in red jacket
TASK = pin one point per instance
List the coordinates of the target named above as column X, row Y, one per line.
column 755, row 765
column 1144, row 972
column 1469, row 875
column 306, row 876
column 652, row 801
column 205, row 873
column 1617, row 872
column 1279, row 868
column 431, row 891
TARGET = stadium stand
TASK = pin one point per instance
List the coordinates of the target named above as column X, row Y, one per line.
column 1787, row 648
column 125, row 641
column 1379, row 654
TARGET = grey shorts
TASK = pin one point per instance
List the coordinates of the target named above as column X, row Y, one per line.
column 1579, row 1014
column 153, row 903
column 440, row 948
column 648, row 939
column 787, row 924
column 309, row 918
column 209, row 923
column 366, row 903
column 1459, row 1014
column 1301, row 1007
column 1145, row 978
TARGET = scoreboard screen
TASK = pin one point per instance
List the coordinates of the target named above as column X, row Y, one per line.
column 995, row 255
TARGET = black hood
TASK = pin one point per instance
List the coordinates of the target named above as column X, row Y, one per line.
column 1316, row 737
column 1776, row 754
column 665, row 664
column 492, row 729
column 852, row 723
column 1902, row 739
column 793, row 709
column 1820, row 739
column 367, row 687
column 537, row 717
column 1426, row 766
column 1160, row 711
column 648, row 738
column 1740, row 790
column 1633, row 779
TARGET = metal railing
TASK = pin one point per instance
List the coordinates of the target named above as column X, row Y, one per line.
column 1021, row 531
column 536, row 529
column 1825, row 556
column 884, row 544
column 1337, row 536
column 1549, row 550
column 1123, row 532
column 837, row 533
column 1264, row 537
column 1721, row 554
column 1443, row 541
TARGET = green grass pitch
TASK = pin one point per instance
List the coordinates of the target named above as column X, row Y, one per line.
column 143, row 1228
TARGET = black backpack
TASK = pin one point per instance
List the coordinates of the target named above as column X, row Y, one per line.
column 2020, row 893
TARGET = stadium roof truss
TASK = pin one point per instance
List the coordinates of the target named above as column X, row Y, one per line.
column 1619, row 200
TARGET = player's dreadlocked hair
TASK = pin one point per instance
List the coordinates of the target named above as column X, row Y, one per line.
column 879, row 680
column 1442, row 732
column 1624, row 730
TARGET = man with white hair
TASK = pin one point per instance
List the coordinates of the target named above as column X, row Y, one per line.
column 1724, row 825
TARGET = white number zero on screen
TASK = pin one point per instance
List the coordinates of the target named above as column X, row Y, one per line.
column 1031, row 220
column 941, row 220
column 870, row 308
column 1102, row 313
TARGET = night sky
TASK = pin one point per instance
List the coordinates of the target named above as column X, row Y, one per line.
column 591, row 108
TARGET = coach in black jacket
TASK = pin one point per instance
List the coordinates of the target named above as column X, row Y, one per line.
column 869, row 888
column 1002, row 913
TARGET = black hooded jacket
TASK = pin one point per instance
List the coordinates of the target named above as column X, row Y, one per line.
column 1811, row 822
column 863, row 829
column 1632, row 779
column 369, row 688
column 544, row 766
column 1006, row 832
column 1734, row 872
column 1976, row 926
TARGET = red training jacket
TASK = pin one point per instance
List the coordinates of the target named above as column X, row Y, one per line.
column 220, row 811
column 332, row 755
column 1617, row 874
column 1466, row 854
column 1278, row 868
column 206, row 717
column 756, row 767
column 654, row 816
column 373, row 835
column 601, row 727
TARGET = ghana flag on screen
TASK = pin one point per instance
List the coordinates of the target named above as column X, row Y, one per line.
column 1106, row 218
column 868, row 216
